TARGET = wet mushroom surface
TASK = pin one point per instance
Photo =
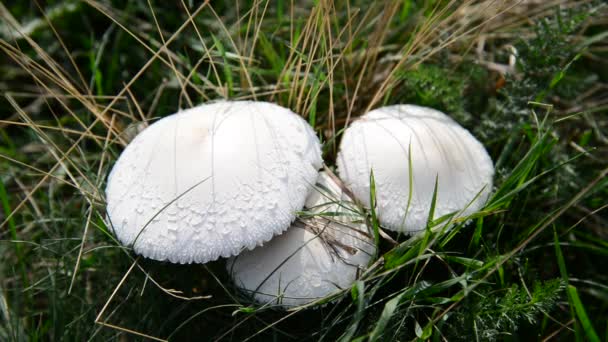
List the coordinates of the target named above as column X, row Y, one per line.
column 318, row 255
column 211, row 180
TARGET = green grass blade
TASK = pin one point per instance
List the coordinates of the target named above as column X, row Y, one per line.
column 374, row 218
column 226, row 66
column 581, row 314
column 391, row 306
column 358, row 294
column 433, row 203
column 13, row 231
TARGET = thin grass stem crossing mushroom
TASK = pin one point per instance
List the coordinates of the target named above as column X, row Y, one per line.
column 393, row 140
column 318, row 256
column 211, row 180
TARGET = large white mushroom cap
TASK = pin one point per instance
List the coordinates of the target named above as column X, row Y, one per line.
column 208, row 181
column 442, row 149
column 316, row 257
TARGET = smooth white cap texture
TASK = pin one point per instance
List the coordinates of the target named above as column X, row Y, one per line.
column 381, row 139
column 316, row 257
column 211, row 180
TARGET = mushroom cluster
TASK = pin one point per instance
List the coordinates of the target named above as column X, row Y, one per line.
column 228, row 179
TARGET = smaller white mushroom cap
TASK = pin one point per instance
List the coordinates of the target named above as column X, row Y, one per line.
column 316, row 257
column 211, row 180
column 440, row 147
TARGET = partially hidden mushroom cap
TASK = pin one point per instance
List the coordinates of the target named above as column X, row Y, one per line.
column 317, row 256
column 441, row 150
column 211, row 180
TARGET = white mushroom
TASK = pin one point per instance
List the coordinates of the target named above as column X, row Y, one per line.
column 440, row 149
column 211, row 180
column 316, row 257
